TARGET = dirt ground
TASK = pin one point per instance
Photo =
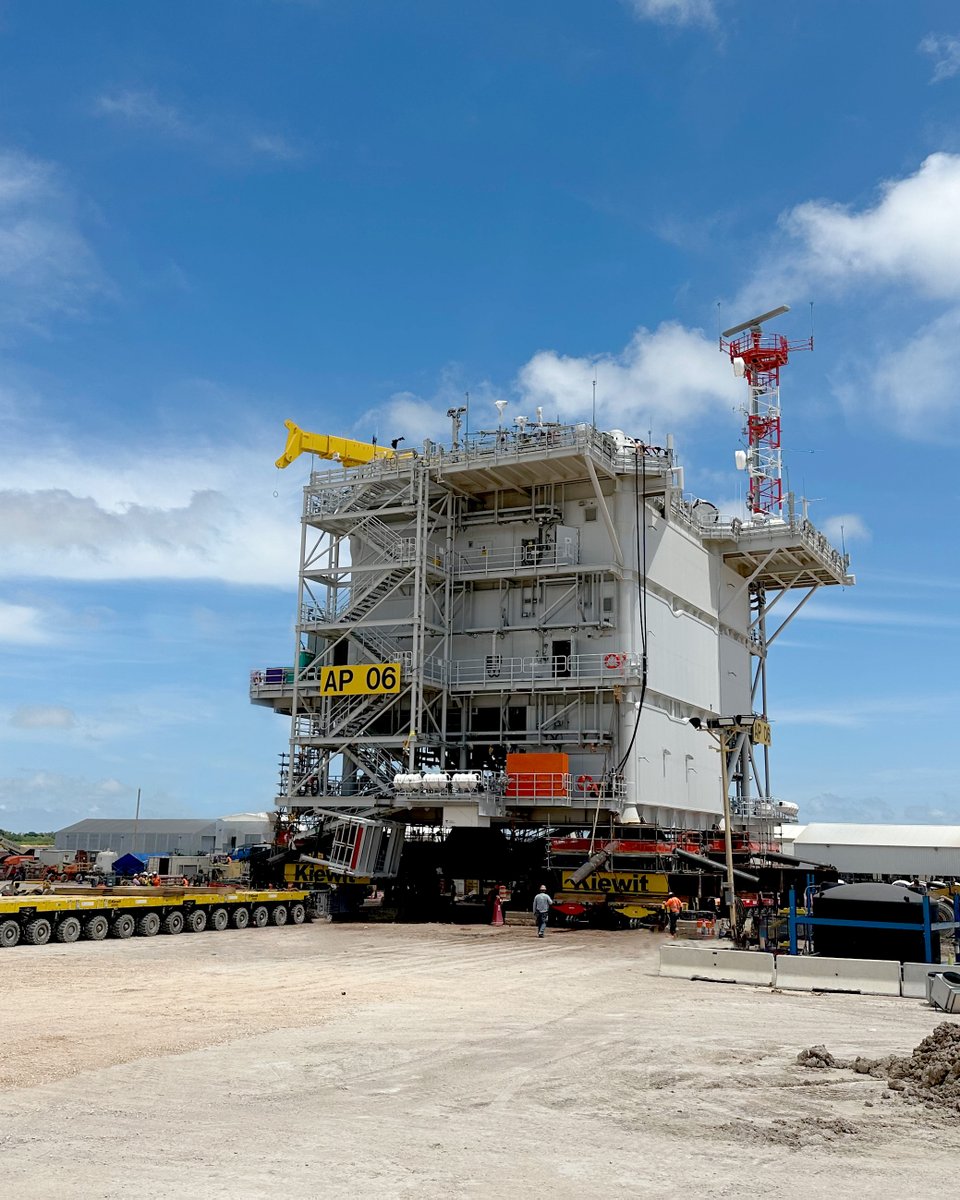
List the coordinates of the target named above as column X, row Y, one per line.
column 439, row 1061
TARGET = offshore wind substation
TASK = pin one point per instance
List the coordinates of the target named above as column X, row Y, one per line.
column 533, row 634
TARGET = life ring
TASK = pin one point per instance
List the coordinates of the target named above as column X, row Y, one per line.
column 612, row 662
column 257, row 678
column 585, row 783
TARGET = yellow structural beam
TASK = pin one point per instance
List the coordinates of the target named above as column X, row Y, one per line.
column 346, row 451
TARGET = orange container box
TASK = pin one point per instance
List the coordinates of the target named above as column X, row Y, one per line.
column 534, row 776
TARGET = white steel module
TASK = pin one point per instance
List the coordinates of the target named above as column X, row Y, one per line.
column 544, row 591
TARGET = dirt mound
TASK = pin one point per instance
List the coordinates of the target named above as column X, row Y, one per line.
column 797, row 1134
column 930, row 1074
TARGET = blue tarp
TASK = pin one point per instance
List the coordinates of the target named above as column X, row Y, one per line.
column 129, row 864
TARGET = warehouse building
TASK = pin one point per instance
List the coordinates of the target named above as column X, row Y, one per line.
column 219, row 835
column 889, row 851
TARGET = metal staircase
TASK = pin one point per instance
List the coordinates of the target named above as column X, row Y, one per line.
column 355, row 604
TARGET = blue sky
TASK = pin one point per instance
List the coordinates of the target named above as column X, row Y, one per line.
column 217, row 216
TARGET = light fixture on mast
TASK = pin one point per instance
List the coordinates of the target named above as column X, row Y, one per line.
column 758, row 359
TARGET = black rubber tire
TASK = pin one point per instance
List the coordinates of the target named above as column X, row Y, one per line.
column 280, row 914
column 37, row 931
column 148, row 924
column 259, row 916
column 298, row 913
column 9, row 933
column 68, row 930
column 195, row 921
column 219, row 919
column 172, row 922
column 124, row 926
column 240, row 917
column 96, row 928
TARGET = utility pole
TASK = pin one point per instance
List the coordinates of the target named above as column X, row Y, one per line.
column 136, row 823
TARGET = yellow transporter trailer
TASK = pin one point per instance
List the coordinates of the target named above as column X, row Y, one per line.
column 66, row 916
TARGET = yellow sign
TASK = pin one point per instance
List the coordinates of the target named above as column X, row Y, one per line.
column 360, row 679
column 760, row 734
column 618, row 883
column 310, row 874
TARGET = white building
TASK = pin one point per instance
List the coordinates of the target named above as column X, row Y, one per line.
column 161, row 837
column 908, row 851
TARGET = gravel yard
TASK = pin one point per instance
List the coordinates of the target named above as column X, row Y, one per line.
column 422, row 1061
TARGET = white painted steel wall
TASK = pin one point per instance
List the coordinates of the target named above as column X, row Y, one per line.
column 699, row 659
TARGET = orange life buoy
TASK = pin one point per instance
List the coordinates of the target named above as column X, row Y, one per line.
column 612, row 661
column 585, row 782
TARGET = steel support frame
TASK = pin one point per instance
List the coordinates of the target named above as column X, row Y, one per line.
column 342, row 555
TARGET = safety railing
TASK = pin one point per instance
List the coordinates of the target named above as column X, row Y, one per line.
column 759, row 808
column 528, row 440
column 609, row 667
column 497, row 560
column 738, row 530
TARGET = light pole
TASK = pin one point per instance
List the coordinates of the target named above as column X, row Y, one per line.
column 721, row 736
column 727, row 732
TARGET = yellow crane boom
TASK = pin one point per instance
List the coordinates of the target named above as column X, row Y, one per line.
column 346, row 451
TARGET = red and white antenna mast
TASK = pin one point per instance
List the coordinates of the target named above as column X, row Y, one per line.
column 759, row 357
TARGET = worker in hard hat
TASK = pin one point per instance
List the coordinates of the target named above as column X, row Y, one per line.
column 673, row 906
column 541, row 909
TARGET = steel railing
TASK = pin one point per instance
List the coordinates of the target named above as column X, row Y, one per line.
column 498, row 559
column 609, row 667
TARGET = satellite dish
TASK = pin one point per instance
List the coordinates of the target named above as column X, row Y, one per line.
column 756, row 322
column 740, row 458
column 501, row 405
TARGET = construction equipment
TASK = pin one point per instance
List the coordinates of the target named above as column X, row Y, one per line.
column 68, row 915
column 346, row 451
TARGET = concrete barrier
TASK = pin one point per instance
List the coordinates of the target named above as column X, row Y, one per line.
column 810, row 973
column 945, row 991
column 915, row 979
column 727, row 966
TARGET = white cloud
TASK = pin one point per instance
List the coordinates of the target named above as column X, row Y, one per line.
column 915, row 385
column 22, row 625
column 231, row 138
column 272, row 145
column 192, row 514
column 408, row 416
column 863, row 618
column 661, row 380
column 46, row 265
column 675, row 12
column 845, row 527
column 146, row 109
column 910, row 236
column 945, row 52
column 43, row 716
column 857, row 711
column 667, row 377
column 906, row 244
column 41, row 799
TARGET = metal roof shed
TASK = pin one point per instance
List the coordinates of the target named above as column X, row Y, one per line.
column 912, row 851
